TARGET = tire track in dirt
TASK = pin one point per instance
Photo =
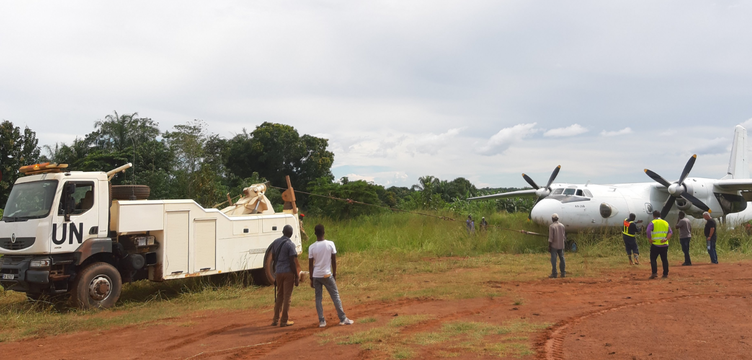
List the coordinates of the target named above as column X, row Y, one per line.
column 295, row 334
column 550, row 346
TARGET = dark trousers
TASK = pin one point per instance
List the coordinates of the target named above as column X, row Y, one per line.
column 711, row 252
column 562, row 265
column 655, row 251
column 285, row 283
column 685, row 248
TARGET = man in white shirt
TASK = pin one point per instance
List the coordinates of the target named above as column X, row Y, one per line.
column 322, row 263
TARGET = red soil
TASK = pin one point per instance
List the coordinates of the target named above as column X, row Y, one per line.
column 699, row 312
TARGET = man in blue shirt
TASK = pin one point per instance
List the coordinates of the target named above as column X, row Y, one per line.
column 285, row 258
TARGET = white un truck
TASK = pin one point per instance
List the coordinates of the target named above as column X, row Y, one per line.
column 72, row 232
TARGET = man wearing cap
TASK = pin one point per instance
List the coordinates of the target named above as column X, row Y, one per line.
column 710, row 236
column 658, row 232
column 556, row 238
column 483, row 224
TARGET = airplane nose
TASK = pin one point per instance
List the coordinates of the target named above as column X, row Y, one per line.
column 542, row 211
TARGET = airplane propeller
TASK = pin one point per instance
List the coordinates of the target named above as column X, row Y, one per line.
column 677, row 189
column 541, row 192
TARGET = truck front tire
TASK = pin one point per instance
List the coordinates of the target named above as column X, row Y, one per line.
column 265, row 275
column 97, row 286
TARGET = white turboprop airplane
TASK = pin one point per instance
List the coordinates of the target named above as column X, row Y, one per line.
column 586, row 206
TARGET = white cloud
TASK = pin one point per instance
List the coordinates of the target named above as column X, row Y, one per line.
column 623, row 131
column 500, row 142
column 572, row 130
column 431, row 143
column 747, row 124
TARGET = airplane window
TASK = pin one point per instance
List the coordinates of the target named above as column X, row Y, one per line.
column 579, row 192
column 558, row 191
column 587, row 193
column 569, row 191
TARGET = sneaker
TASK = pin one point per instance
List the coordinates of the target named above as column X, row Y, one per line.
column 563, row 275
column 347, row 322
column 552, row 276
column 322, row 324
column 289, row 323
column 274, row 323
column 664, row 276
column 653, row 276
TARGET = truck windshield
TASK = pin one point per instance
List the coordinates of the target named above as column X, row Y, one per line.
column 31, row 200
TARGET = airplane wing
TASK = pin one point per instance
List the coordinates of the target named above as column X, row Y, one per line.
column 518, row 193
column 734, row 184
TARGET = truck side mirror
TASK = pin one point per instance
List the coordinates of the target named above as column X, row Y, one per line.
column 69, row 204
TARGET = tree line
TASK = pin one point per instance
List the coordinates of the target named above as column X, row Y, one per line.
column 189, row 162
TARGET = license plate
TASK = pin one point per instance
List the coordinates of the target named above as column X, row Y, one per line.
column 8, row 276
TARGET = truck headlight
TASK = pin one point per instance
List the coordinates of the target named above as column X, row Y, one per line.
column 40, row 263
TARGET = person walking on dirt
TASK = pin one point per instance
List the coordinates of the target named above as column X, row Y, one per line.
column 658, row 232
column 556, row 238
column 286, row 265
column 711, row 234
column 322, row 264
column 630, row 242
column 685, row 235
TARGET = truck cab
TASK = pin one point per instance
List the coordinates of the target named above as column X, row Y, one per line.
column 46, row 222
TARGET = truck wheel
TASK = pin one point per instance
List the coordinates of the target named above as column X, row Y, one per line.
column 265, row 275
column 97, row 286
column 124, row 192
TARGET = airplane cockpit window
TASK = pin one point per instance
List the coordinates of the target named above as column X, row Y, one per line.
column 557, row 191
column 569, row 191
column 588, row 193
column 579, row 192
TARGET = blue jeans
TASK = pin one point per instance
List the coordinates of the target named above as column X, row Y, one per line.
column 685, row 249
column 331, row 287
column 712, row 253
column 562, row 265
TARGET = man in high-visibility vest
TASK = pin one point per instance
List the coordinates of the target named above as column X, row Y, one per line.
column 658, row 232
column 628, row 235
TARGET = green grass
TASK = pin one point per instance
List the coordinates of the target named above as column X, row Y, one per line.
column 375, row 254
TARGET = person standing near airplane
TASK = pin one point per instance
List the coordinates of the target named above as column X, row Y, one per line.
column 658, row 232
column 710, row 236
column 470, row 225
column 685, row 235
column 630, row 242
column 556, row 238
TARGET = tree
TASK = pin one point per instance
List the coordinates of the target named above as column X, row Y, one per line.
column 16, row 149
column 277, row 150
column 359, row 190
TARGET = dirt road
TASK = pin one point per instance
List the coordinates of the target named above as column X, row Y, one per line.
column 699, row 312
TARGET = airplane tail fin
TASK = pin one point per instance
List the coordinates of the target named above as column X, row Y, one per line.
column 738, row 167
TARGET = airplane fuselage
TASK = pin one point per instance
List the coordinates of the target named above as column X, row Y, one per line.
column 583, row 207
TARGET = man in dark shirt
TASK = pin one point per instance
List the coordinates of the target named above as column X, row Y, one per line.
column 286, row 268
column 629, row 232
column 711, row 234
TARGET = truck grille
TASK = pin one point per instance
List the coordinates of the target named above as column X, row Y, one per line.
column 20, row 243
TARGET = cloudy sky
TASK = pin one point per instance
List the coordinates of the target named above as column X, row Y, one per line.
column 480, row 89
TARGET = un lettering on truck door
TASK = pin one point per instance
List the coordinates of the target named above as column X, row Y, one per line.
column 68, row 232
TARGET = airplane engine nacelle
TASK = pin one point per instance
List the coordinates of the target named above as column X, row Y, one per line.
column 607, row 211
column 683, row 205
